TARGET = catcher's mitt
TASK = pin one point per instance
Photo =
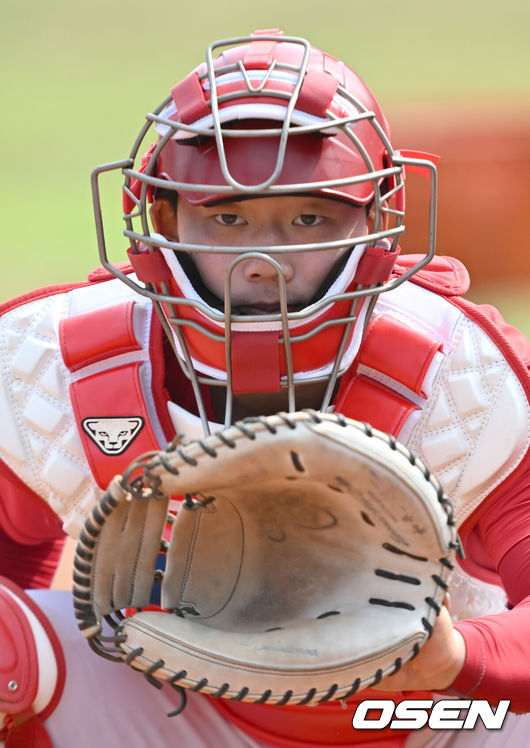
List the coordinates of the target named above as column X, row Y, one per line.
column 309, row 559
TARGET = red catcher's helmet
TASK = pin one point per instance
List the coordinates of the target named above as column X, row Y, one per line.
column 269, row 115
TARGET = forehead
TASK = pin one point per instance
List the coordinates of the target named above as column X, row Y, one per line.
column 274, row 207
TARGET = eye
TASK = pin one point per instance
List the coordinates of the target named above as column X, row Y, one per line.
column 308, row 219
column 229, row 219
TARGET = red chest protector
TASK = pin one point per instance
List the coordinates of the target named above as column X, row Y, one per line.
column 118, row 382
column 384, row 387
column 392, row 356
column 117, row 399
column 114, row 400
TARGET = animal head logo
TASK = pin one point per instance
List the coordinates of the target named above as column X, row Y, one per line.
column 113, row 435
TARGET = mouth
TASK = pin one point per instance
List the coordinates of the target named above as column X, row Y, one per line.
column 262, row 309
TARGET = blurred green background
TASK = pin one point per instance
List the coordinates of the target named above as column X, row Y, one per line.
column 78, row 78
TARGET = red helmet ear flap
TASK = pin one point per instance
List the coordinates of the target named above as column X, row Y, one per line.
column 131, row 194
column 391, row 187
column 413, row 161
column 419, row 156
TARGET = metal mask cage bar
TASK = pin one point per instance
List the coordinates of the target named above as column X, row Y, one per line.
column 214, row 104
column 125, row 166
column 232, row 187
column 286, row 130
column 392, row 175
column 286, row 340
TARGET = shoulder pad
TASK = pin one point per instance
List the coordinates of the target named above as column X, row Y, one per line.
column 102, row 274
column 97, row 275
column 39, row 293
column 443, row 275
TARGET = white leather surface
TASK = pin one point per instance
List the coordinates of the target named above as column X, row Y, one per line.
column 475, row 429
column 39, row 439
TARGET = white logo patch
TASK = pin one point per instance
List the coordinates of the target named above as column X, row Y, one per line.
column 113, row 435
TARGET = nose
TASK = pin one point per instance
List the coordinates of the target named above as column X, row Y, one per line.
column 261, row 267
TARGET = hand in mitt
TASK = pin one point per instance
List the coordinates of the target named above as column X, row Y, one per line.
column 309, row 558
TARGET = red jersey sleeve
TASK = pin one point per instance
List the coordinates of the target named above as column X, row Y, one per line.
column 497, row 652
column 31, row 538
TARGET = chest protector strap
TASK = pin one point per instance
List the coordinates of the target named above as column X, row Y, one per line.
column 390, row 381
column 110, row 370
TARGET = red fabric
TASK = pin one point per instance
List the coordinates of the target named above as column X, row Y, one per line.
column 30, row 566
column 150, row 267
column 499, row 528
column 264, row 352
column 443, row 275
column 366, row 400
column 418, row 168
column 23, row 514
column 375, row 266
column 29, row 734
column 497, row 658
column 260, row 54
column 82, row 342
column 116, row 393
column 189, row 99
column 19, row 631
column 322, row 726
column 167, row 371
column 18, row 656
column 394, row 349
column 317, row 92
column 514, row 570
column 502, row 538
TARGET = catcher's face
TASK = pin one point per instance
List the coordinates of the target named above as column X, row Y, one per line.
column 262, row 223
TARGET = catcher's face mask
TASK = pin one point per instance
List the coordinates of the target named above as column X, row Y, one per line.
column 269, row 116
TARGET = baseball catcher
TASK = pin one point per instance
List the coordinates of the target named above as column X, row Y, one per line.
column 292, row 552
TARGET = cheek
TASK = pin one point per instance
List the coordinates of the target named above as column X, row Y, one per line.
column 315, row 266
column 212, row 269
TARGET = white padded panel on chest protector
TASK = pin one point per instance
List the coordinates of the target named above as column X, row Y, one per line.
column 475, row 429
column 39, row 438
